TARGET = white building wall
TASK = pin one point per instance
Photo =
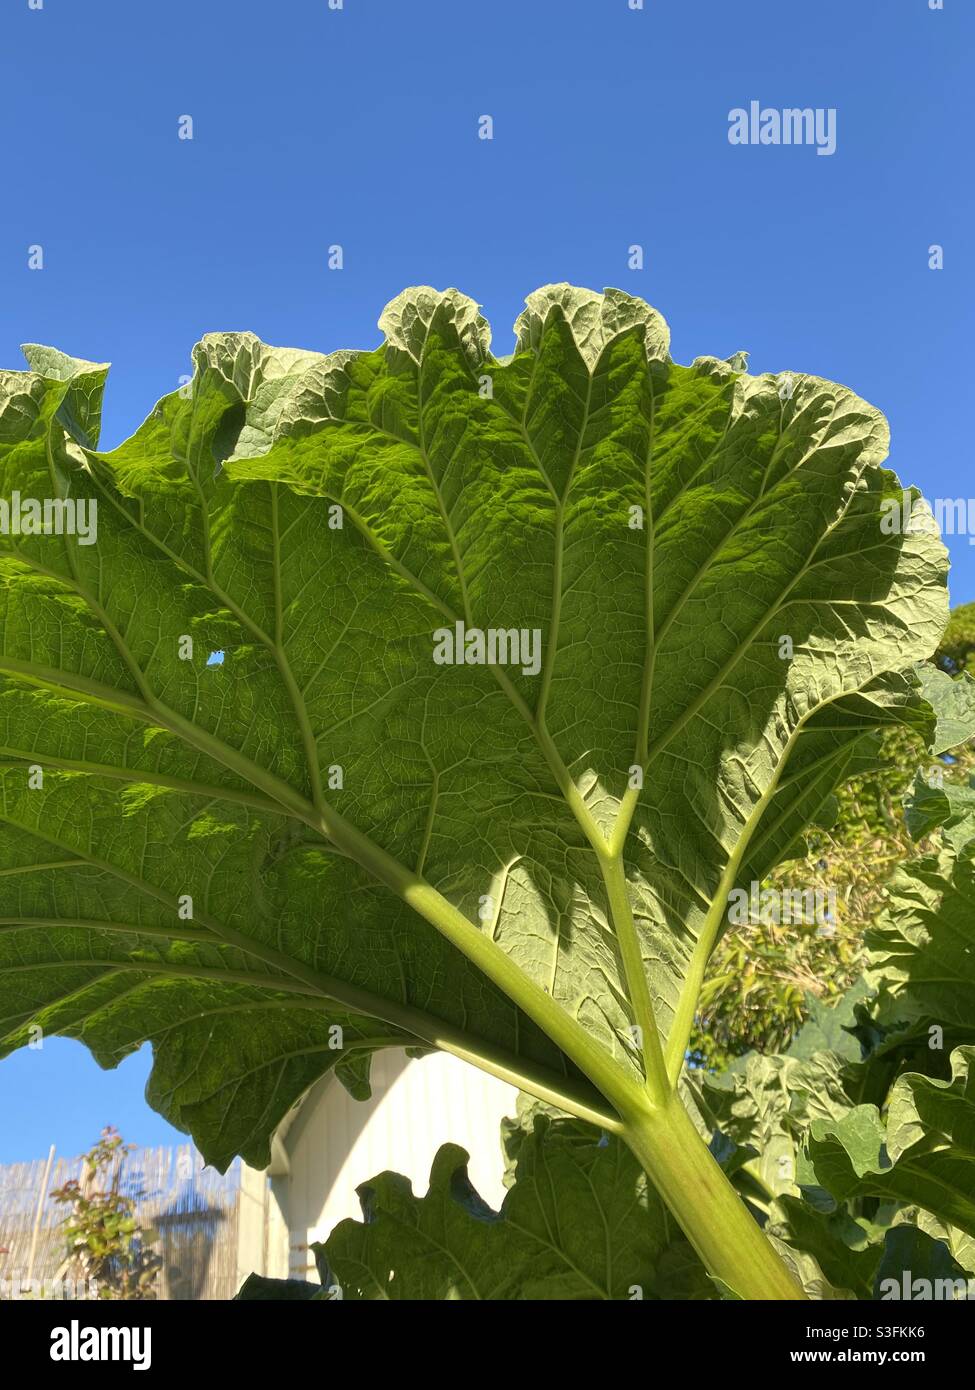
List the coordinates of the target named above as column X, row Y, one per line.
column 336, row 1143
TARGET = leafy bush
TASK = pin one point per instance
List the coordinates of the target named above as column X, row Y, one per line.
column 108, row 1249
column 417, row 697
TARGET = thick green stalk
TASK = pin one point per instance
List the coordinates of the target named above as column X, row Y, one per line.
column 635, row 975
column 725, row 1235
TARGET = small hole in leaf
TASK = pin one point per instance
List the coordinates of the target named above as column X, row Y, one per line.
column 215, row 659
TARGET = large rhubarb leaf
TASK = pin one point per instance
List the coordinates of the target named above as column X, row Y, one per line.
column 953, row 699
column 580, row 1222
column 925, row 1156
column 858, row 1256
column 922, row 949
column 303, row 837
column 935, row 803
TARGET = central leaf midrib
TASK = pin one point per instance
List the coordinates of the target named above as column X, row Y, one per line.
column 552, row 646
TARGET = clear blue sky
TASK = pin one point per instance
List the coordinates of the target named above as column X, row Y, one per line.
column 359, row 126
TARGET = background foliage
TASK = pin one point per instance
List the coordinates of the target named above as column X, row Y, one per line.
column 762, row 979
